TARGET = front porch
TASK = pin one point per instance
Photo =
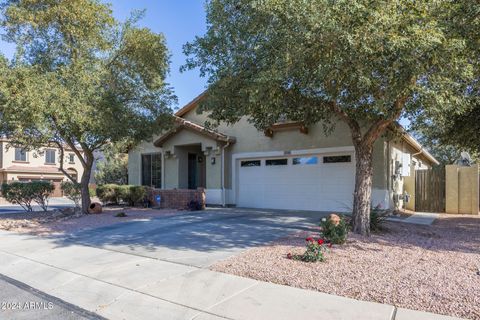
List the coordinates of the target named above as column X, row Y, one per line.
column 194, row 157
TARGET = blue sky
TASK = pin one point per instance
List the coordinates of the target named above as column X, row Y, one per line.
column 180, row 21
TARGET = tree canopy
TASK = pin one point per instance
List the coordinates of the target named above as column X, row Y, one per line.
column 81, row 78
column 460, row 128
column 362, row 62
column 112, row 167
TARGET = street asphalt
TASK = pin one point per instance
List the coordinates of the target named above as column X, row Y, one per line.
column 54, row 203
column 19, row 301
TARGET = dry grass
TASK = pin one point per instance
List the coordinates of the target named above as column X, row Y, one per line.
column 429, row 268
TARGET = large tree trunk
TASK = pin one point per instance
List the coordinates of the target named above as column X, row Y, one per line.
column 87, row 169
column 363, row 189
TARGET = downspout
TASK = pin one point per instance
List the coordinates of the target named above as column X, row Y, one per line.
column 163, row 169
column 416, row 154
column 419, row 152
column 223, row 173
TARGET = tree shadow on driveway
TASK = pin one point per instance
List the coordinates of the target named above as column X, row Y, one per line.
column 211, row 231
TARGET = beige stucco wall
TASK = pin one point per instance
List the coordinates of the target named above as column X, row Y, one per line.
column 404, row 183
column 249, row 139
column 462, row 189
column 35, row 158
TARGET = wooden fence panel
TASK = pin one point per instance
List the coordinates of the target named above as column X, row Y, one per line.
column 430, row 190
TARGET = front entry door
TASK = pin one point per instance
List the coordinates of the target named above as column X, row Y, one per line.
column 192, row 171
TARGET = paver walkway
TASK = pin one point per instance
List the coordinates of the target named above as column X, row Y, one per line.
column 120, row 285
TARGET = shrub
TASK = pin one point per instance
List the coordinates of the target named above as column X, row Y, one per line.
column 108, row 193
column 377, row 218
column 41, row 190
column 334, row 231
column 16, row 192
column 136, row 194
column 131, row 194
column 123, row 193
column 24, row 193
column 315, row 251
column 72, row 191
column 113, row 193
column 92, row 191
column 194, row 205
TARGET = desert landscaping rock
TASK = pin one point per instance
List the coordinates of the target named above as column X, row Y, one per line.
column 69, row 220
column 427, row 268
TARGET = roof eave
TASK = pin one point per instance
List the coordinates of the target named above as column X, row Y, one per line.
column 191, row 105
column 182, row 124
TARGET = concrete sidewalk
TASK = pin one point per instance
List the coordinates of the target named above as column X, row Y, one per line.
column 423, row 218
column 118, row 285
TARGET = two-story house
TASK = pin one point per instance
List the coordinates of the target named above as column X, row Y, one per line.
column 19, row 164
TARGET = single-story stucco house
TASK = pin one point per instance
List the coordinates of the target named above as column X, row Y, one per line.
column 289, row 166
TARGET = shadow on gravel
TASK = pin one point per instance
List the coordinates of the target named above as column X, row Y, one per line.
column 456, row 233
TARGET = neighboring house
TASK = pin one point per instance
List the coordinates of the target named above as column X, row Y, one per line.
column 289, row 166
column 17, row 164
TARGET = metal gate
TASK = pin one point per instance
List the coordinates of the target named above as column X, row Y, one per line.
column 430, row 190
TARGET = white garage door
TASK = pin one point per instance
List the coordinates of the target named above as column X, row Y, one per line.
column 313, row 182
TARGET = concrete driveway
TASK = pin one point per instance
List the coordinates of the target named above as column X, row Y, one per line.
column 197, row 238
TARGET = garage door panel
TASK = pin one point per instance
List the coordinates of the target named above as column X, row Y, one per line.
column 317, row 186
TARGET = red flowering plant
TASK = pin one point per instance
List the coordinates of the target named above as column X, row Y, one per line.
column 315, row 251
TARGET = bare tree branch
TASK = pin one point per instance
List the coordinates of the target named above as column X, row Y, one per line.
column 62, row 157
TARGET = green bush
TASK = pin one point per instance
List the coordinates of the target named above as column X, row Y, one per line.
column 72, row 191
column 136, row 194
column 123, row 193
column 42, row 190
column 121, row 215
column 17, row 193
column 24, row 193
column 112, row 193
column 334, row 233
column 314, row 252
column 131, row 194
column 92, row 191
column 108, row 193
column 377, row 219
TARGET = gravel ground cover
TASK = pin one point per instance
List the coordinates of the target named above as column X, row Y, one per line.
column 428, row 268
column 67, row 220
